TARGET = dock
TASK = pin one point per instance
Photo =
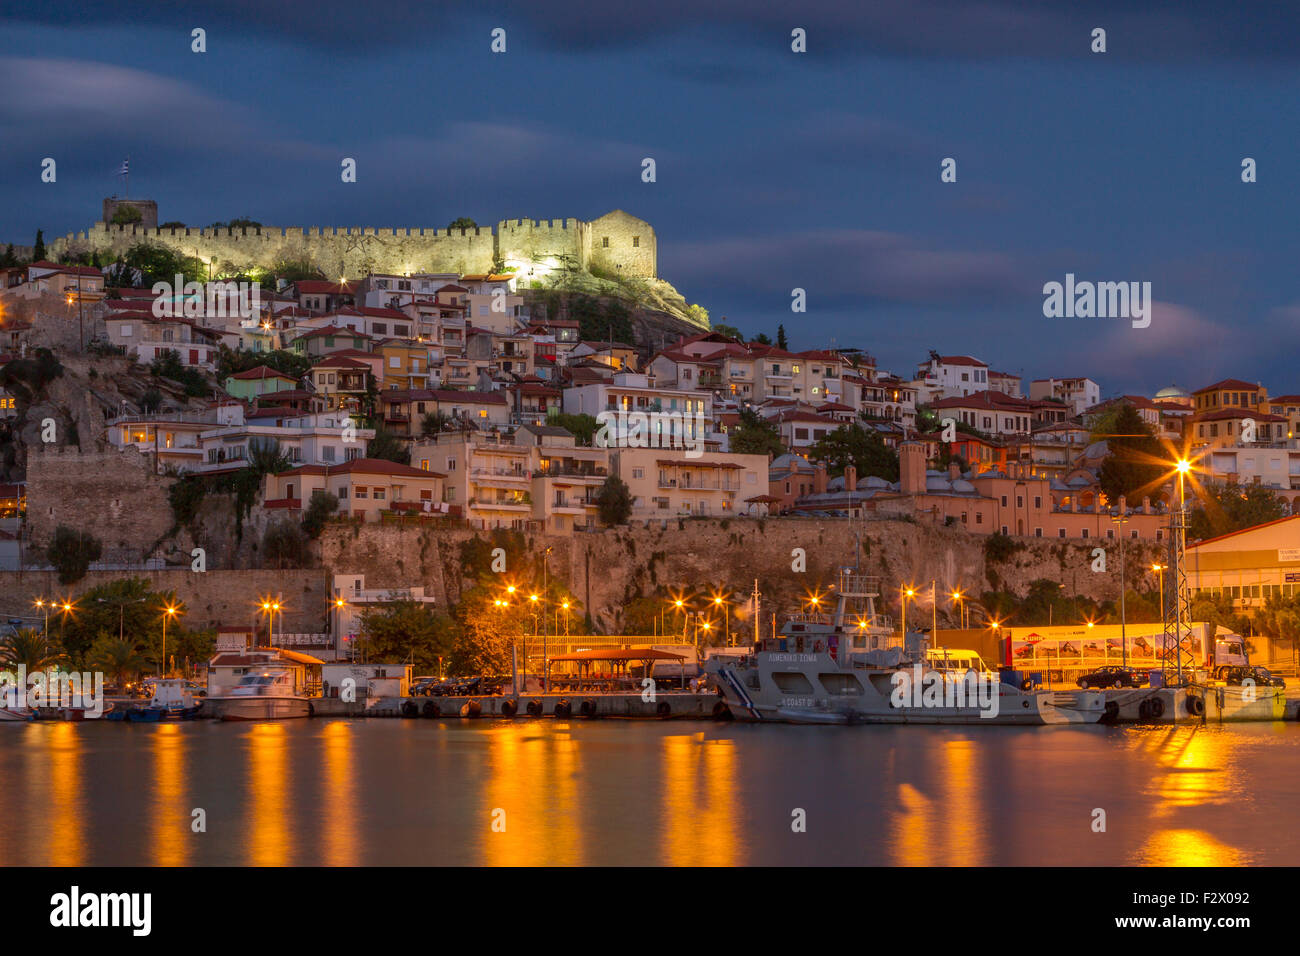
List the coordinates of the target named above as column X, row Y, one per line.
column 683, row 705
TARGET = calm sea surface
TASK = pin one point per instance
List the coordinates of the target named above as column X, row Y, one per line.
column 351, row 792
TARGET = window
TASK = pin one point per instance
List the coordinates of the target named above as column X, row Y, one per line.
column 379, row 494
column 640, row 473
column 1004, row 501
column 424, row 464
column 343, row 492
column 394, row 361
column 636, row 242
column 380, row 328
column 1060, row 532
column 327, row 453
column 604, row 242
column 360, row 492
column 451, row 464
column 1085, row 532
column 1038, row 532
column 1038, row 501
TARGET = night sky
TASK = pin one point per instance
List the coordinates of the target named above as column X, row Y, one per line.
column 775, row 170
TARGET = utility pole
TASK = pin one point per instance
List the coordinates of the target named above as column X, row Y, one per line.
column 1120, row 520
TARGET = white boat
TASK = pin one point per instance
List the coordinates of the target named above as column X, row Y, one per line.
column 15, row 714
column 269, row 693
column 850, row 668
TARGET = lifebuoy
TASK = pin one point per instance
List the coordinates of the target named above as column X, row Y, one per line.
column 1157, row 708
column 534, row 708
column 588, row 707
column 563, row 708
column 408, row 708
column 664, row 709
column 1195, row 706
column 509, row 708
column 431, row 708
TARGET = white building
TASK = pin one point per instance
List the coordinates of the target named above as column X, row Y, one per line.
column 1078, row 393
column 350, row 599
column 953, row 376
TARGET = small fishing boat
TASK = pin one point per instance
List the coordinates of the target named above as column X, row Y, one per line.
column 171, row 700
column 16, row 714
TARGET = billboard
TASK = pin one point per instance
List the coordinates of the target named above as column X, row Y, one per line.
column 1073, row 645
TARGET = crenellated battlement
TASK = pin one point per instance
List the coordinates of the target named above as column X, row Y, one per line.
column 534, row 246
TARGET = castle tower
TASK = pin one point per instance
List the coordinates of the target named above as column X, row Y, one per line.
column 911, row 468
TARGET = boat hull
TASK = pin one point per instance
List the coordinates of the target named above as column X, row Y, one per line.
column 261, row 708
column 874, row 704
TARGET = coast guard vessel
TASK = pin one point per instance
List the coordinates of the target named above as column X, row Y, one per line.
column 849, row 667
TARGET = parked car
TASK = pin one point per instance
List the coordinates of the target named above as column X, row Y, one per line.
column 1113, row 676
column 1237, row 675
column 424, row 688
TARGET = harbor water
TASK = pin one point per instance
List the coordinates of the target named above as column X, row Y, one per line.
column 340, row 792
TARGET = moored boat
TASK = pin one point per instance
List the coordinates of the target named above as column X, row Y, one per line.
column 850, row 668
column 267, row 694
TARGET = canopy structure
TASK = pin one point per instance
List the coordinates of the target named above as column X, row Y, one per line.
column 604, row 670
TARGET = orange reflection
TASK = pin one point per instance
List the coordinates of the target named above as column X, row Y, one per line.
column 59, row 788
column 532, row 777
column 169, row 818
column 268, row 809
column 699, row 794
column 338, row 781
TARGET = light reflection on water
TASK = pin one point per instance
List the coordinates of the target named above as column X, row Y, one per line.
column 342, row 793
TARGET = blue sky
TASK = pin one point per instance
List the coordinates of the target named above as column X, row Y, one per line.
column 775, row 170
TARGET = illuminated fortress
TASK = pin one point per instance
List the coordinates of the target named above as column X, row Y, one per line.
column 616, row 242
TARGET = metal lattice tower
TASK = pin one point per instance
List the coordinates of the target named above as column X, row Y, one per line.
column 1176, row 609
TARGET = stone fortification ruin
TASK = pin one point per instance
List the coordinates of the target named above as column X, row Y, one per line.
column 616, row 243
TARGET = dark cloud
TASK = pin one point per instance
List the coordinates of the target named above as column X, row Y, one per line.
column 925, row 28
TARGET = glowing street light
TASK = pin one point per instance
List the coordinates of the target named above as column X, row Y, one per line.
column 167, row 612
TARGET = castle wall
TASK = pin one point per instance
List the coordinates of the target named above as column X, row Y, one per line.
column 631, row 249
column 354, row 252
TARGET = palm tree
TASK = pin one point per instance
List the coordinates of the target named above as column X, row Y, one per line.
column 27, row 647
column 117, row 658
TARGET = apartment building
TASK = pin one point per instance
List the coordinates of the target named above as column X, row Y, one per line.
column 534, row 478
column 953, row 376
column 669, row 483
column 1273, row 466
column 403, row 410
column 1078, row 394
column 148, row 338
column 990, row 412
column 344, row 380
column 367, row 488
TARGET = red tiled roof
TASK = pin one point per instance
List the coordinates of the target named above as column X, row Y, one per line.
column 1232, row 383
column 364, row 466
column 261, row 373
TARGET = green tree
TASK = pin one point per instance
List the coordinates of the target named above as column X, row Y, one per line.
column 463, row 222
column 1279, row 618
column 490, row 623
column 27, row 647
column 123, row 608
column 755, row 435
column 781, row 341
column 1230, row 507
column 614, row 501
column 1135, row 463
column 699, row 315
column 854, row 445
column 319, row 508
column 762, row 338
column 38, row 249
column 126, row 215
column 389, row 447
column 581, row 427
column 407, row 631
column 119, row 659
column 286, row 545
column 71, row 552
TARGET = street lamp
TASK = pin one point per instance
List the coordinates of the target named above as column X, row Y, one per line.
column 45, row 606
column 121, row 613
column 270, row 608
column 718, row 599
column 1120, row 520
column 907, row 592
column 167, row 612
column 961, row 607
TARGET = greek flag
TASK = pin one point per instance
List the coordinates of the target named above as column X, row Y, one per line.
column 124, row 170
